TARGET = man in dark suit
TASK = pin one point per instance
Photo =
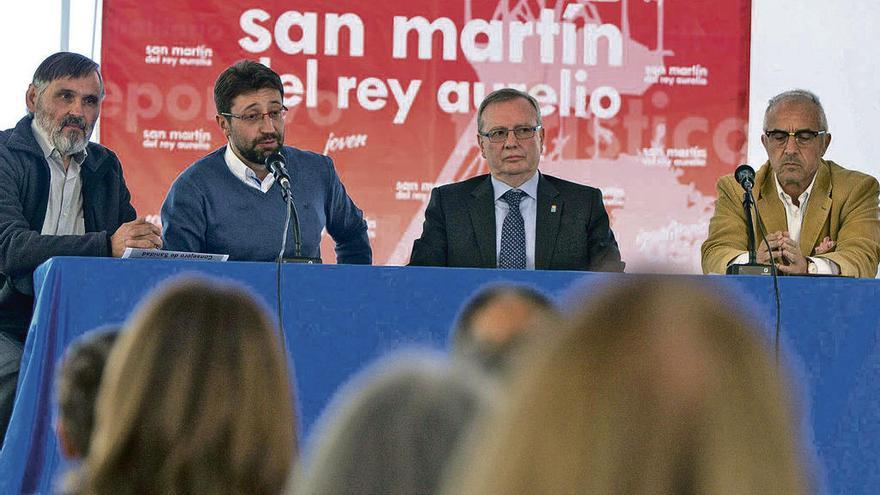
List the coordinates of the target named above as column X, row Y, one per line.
column 515, row 217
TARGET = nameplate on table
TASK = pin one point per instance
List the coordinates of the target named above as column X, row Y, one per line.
column 155, row 254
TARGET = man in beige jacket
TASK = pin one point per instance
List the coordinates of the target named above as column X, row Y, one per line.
column 818, row 216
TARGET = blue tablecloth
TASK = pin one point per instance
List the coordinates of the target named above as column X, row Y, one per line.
column 339, row 318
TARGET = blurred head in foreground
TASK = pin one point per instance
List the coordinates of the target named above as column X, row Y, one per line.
column 393, row 428
column 656, row 388
column 498, row 321
column 196, row 398
column 76, row 389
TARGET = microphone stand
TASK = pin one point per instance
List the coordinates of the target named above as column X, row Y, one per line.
column 752, row 267
column 748, row 201
column 283, row 180
column 284, row 183
column 291, row 213
column 288, row 198
column 745, row 175
column 275, row 163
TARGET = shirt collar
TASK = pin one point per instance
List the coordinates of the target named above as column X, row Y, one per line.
column 530, row 187
column 804, row 195
column 48, row 149
column 242, row 171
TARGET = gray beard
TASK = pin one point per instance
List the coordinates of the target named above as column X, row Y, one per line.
column 65, row 145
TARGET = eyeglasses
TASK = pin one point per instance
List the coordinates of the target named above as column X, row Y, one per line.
column 500, row 135
column 254, row 117
column 802, row 137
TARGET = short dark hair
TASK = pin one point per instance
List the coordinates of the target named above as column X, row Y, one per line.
column 462, row 333
column 65, row 64
column 78, row 382
column 244, row 76
column 506, row 94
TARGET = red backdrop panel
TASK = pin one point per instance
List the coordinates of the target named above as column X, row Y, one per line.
column 643, row 99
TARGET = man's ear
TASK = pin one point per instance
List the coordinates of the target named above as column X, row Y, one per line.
column 223, row 122
column 480, row 144
column 30, row 98
column 765, row 141
column 826, row 144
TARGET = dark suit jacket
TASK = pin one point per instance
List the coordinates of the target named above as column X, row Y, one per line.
column 459, row 228
column 24, row 194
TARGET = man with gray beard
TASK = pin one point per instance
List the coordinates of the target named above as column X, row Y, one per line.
column 60, row 195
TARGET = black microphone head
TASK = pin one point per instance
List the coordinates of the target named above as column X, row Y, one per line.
column 745, row 175
column 275, row 158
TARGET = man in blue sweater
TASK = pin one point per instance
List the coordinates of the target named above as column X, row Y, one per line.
column 229, row 203
column 60, row 195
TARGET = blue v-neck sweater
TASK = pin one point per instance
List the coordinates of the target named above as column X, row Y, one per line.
column 209, row 210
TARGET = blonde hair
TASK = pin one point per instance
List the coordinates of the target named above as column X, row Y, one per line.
column 656, row 388
column 196, row 399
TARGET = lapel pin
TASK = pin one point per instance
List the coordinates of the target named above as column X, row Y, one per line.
column 552, row 208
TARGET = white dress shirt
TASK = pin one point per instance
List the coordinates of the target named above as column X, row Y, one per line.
column 244, row 173
column 528, row 207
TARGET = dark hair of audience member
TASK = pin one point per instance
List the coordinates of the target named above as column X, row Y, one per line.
column 76, row 389
column 196, row 399
column 657, row 387
column 393, row 428
column 498, row 321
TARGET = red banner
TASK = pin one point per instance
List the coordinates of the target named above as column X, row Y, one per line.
column 644, row 99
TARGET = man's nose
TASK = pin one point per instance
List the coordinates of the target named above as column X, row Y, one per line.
column 791, row 146
column 266, row 124
column 76, row 108
column 511, row 141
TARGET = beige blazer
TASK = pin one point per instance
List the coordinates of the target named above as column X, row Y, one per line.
column 843, row 205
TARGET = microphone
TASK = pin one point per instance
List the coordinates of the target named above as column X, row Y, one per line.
column 277, row 165
column 745, row 175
